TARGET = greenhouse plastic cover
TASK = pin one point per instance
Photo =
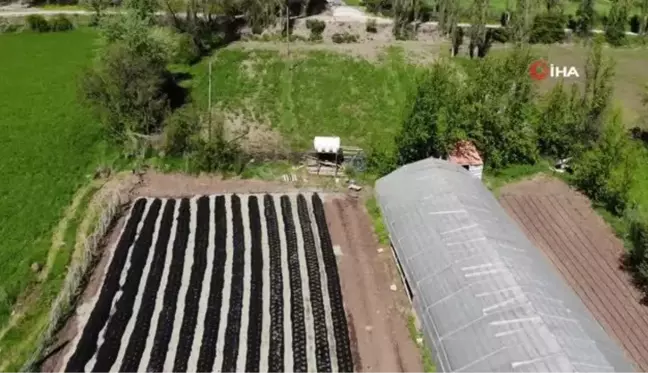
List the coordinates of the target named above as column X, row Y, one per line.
column 488, row 299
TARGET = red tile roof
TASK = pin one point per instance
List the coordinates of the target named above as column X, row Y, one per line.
column 465, row 153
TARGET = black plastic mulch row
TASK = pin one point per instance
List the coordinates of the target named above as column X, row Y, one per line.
column 342, row 345
column 212, row 318
column 137, row 341
column 256, row 288
column 232, row 331
column 276, row 353
column 101, row 312
column 164, row 327
column 322, row 352
column 296, row 298
column 192, row 299
column 125, row 305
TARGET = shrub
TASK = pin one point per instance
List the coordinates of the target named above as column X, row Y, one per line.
column 637, row 257
column 37, row 23
column 316, row 28
column 179, row 130
column 548, row 28
column 60, row 23
column 572, row 23
column 372, row 26
column 127, row 87
column 344, row 37
column 635, row 24
column 500, row 35
column 6, row 26
column 217, row 153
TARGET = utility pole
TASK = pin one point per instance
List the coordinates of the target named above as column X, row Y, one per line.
column 209, row 103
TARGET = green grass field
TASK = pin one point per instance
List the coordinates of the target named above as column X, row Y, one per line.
column 322, row 94
column 48, row 144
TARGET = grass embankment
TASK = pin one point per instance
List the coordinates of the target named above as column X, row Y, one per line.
column 48, row 145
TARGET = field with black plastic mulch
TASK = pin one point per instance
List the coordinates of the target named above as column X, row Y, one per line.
column 219, row 283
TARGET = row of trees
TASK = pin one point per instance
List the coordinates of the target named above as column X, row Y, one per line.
column 532, row 21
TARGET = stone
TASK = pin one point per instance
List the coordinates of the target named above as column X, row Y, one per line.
column 393, row 287
column 35, row 267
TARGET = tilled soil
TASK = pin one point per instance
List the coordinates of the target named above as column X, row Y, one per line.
column 561, row 222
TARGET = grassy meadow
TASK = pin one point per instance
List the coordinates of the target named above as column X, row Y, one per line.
column 48, row 145
column 315, row 93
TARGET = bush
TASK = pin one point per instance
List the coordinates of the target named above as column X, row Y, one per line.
column 128, row 89
column 217, row 154
column 500, row 35
column 344, row 37
column 179, row 130
column 372, row 26
column 548, row 28
column 572, row 23
column 635, row 24
column 37, row 23
column 637, row 257
column 316, row 27
column 60, row 23
column 6, row 26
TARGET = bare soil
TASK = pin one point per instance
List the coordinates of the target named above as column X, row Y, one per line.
column 584, row 249
column 376, row 315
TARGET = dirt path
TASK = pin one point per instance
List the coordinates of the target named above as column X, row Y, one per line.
column 376, row 315
column 586, row 252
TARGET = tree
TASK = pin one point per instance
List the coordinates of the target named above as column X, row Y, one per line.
column 605, row 172
column 435, row 114
column 553, row 6
column 478, row 27
column 98, row 7
column 405, row 12
column 595, row 103
column 560, row 130
column 143, row 9
column 643, row 6
column 521, row 21
column 585, row 15
column 617, row 19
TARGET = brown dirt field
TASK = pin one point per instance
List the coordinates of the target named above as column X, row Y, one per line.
column 376, row 315
column 561, row 222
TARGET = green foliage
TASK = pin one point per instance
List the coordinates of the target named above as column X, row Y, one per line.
column 561, row 130
column 378, row 223
column 384, row 7
column 38, row 23
column 585, row 15
column 7, row 26
column 548, row 28
column 637, row 258
column 615, row 26
column 344, row 37
column 179, row 130
column 60, row 23
column 599, row 74
column 127, row 86
column 605, row 173
column 215, row 153
column 432, row 125
column 316, row 28
column 372, row 26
